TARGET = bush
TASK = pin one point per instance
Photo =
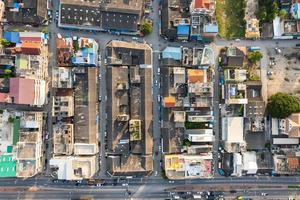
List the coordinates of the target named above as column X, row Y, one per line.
column 282, row 13
column 5, row 42
column 11, row 120
column 254, row 57
column 267, row 13
column 195, row 125
column 282, row 105
column 45, row 30
column 187, row 143
column 254, row 77
column 147, row 28
column 7, row 71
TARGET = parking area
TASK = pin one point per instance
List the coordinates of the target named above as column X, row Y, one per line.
column 283, row 71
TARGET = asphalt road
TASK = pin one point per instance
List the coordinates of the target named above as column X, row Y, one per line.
column 151, row 188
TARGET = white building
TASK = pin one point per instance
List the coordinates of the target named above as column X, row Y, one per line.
column 233, row 134
column 249, row 162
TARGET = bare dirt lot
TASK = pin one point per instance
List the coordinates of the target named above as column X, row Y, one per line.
column 284, row 71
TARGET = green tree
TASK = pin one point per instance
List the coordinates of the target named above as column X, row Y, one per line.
column 11, row 120
column 147, row 28
column 7, row 71
column 282, row 13
column 45, row 30
column 281, row 105
column 5, row 42
column 255, row 56
column 187, row 142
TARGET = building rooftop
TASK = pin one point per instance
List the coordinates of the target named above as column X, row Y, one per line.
column 249, row 162
column 80, row 13
column 64, row 51
column 74, row 167
column 233, row 134
column 129, row 113
column 130, row 164
column 173, row 12
column 85, row 130
column 85, row 52
column 172, row 53
column 63, row 106
column 128, row 53
column 180, row 166
column 26, row 11
column 232, row 129
column 63, row 135
column 22, row 91
column 7, row 166
column 121, row 15
column 292, row 125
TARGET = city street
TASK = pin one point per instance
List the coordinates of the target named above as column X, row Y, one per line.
column 153, row 187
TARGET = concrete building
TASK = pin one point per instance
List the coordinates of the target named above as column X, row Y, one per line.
column 181, row 166
column 63, row 139
column 122, row 16
column 74, row 167
column 236, row 94
column 33, row 92
column 290, row 126
column 119, row 16
column 85, row 52
column 287, row 164
column 63, row 106
column 2, row 9
column 21, row 144
column 129, row 111
column 62, row 78
column 249, row 162
column 233, row 134
column 174, row 18
column 65, row 51
column 33, row 12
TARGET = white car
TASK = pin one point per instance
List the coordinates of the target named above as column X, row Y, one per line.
column 159, row 56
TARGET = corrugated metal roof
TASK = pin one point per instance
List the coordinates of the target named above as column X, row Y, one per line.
column 13, row 37
column 183, row 30
column 172, row 52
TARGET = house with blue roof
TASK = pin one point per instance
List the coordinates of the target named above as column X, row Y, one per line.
column 203, row 28
column 295, row 11
column 174, row 53
column 86, row 54
column 183, row 32
column 13, row 37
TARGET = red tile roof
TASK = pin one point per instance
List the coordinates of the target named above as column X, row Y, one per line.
column 31, row 48
column 31, row 39
column 4, row 97
column 202, row 4
column 21, row 90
